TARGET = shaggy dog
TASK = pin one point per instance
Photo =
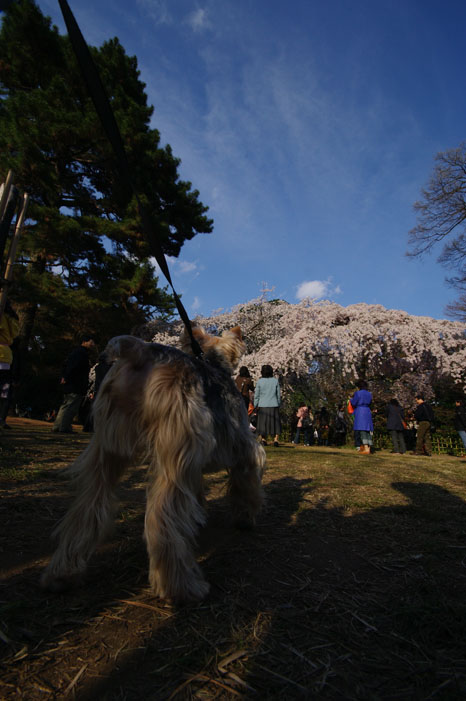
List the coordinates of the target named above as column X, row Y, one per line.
column 182, row 414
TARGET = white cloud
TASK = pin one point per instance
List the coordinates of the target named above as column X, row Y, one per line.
column 176, row 266
column 186, row 266
column 156, row 10
column 198, row 20
column 316, row 289
column 195, row 304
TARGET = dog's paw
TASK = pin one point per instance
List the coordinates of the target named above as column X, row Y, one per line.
column 199, row 591
column 193, row 589
column 243, row 521
column 244, row 524
column 55, row 584
column 196, row 592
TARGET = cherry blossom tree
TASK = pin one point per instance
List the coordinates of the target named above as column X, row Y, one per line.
column 319, row 349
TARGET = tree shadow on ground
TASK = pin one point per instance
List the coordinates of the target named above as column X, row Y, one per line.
column 316, row 602
column 381, row 612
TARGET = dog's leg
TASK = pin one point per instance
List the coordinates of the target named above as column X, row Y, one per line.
column 245, row 483
column 89, row 518
column 182, row 443
column 173, row 517
column 96, row 472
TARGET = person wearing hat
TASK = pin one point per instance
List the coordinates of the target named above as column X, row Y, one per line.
column 74, row 380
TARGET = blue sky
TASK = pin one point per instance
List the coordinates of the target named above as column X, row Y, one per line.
column 309, row 128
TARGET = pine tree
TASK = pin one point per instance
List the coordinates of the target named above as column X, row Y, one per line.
column 84, row 264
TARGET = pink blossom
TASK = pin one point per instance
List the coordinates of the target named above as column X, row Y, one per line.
column 297, row 338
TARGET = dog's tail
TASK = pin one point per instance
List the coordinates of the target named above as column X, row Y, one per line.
column 128, row 348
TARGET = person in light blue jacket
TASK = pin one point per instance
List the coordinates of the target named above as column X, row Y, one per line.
column 267, row 403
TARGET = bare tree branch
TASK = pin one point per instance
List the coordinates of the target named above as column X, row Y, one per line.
column 442, row 208
column 442, row 218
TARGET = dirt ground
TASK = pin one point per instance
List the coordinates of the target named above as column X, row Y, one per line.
column 352, row 586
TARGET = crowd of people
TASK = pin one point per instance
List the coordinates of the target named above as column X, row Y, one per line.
column 409, row 430
column 78, row 381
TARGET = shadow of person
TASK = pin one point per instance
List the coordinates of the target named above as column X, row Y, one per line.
column 317, row 602
column 371, row 604
column 425, row 494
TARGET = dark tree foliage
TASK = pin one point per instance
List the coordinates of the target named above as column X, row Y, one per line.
column 83, row 264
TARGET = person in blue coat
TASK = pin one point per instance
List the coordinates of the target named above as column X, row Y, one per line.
column 361, row 402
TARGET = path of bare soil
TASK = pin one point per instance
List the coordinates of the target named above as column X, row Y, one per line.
column 352, row 586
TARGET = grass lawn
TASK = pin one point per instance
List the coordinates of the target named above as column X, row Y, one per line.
column 352, row 586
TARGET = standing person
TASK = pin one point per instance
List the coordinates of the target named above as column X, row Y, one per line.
column 267, row 401
column 311, row 425
column 424, row 416
column 361, row 402
column 323, row 421
column 244, row 384
column 97, row 375
column 9, row 329
column 75, row 379
column 460, row 421
column 410, row 433
column 396, row 425
column 304, row 424
column 340, row 426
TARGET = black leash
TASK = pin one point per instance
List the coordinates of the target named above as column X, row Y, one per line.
column 103, row 108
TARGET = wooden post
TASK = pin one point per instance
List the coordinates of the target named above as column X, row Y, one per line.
column 12, row 253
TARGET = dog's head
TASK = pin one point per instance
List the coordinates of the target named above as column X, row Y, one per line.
column 229, row 346
column 127, row 347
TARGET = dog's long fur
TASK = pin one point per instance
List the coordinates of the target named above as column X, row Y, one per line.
column 184, row 415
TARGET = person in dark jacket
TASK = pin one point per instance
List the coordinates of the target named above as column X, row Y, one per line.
column 100, row 370
column 74, row 380
column 460, row 421
column 340, row 427
column 304, row 423
column 395, row 425
column 245, row 385
column 424, row 416
column 322, row 423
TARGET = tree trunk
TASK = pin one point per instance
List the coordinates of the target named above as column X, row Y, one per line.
column 27, row 319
